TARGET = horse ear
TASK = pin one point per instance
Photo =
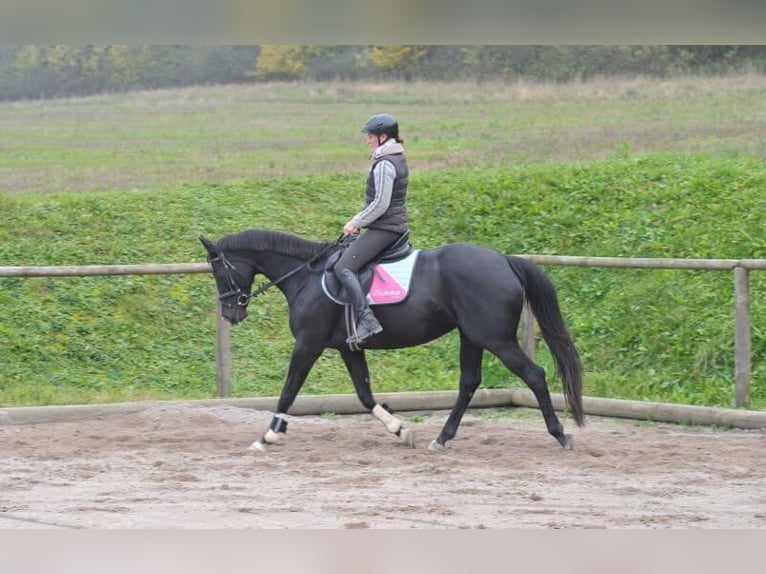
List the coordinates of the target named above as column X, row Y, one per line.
column 208, row 244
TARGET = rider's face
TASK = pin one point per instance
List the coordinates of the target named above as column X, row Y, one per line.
column 375, row 141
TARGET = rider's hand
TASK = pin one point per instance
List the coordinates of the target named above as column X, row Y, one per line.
column 350, row 229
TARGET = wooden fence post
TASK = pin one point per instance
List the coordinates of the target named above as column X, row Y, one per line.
column 223, row 354
column 742, row 343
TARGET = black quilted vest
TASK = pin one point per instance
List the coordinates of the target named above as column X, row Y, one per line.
column 395, row 217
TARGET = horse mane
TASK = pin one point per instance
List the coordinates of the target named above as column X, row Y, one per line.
column 271, row 241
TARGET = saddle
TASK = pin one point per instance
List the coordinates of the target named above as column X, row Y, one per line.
column 384, row 280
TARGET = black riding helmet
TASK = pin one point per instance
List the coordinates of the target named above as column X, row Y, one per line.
column 382, row 124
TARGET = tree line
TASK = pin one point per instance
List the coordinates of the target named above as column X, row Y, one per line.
column 43, row 71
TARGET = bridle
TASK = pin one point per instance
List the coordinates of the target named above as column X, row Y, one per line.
column 243, row 296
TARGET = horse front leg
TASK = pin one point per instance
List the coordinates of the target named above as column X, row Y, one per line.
column 356, row 363
column 301, row 361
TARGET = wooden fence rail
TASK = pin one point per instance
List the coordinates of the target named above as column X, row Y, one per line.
column 741, row 276
column 739, row 267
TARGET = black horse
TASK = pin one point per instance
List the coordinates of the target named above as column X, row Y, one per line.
column 474, row 289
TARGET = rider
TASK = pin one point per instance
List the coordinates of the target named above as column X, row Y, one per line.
column 384, row 216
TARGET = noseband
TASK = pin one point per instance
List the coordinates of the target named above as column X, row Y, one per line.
column 242, row 296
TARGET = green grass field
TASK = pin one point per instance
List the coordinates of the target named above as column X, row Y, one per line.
column 159, row 140
column 618, row 168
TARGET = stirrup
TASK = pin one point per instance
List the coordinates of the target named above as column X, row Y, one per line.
column 357, row 338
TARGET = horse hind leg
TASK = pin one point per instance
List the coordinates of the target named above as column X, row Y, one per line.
column 470, row 379
column 534, row 376
column 393, row 424
column 356, row 364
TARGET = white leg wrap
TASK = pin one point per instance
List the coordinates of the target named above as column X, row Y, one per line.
column 257, row 446
column 277, row 429
column 272, row 437
column 391, row 423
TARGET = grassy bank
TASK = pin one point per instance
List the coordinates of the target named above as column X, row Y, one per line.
column 654, row 335
column 630, row 167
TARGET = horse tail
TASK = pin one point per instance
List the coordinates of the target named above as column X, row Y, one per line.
column 541, row 296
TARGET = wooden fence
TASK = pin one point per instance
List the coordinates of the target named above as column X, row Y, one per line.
column 740, row 268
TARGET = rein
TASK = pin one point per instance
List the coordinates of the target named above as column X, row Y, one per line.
column 243, row 297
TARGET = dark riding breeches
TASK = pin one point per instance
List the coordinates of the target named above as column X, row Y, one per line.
column 365, row 248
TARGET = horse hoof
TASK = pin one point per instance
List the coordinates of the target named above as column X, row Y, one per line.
column 408, row 437
column 568, row 443
column 257, row 446
column 436, row 446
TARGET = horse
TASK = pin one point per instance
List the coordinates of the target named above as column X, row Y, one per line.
column 474, row 289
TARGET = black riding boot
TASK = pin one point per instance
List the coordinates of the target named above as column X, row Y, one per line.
column 366, row 323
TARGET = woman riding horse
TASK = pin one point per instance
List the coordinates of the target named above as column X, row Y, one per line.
column 384, row 216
